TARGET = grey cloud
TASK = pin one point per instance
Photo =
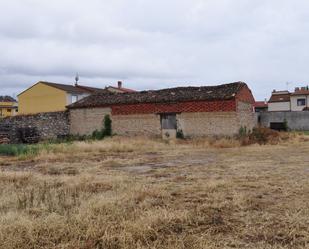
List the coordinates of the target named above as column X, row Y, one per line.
column 154, row 44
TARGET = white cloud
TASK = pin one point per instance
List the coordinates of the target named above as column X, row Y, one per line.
column 154, row 44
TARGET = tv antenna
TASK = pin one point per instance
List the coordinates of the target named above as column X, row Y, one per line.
column 76, row 78
column 287, row 85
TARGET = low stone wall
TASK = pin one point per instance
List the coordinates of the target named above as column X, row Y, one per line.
column 45, row 126
column 298, row 121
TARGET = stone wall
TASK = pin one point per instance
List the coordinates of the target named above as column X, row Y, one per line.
column 298, row 121
column 85, row 121
column 44, row 125
column 245, row 115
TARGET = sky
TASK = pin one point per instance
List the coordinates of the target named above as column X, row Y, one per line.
column 152, row 44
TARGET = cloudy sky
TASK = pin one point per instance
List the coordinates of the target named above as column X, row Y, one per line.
column 150, row 44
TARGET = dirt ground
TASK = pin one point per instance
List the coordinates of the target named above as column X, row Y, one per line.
column 126, row 193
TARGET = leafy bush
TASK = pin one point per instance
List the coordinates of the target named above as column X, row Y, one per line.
column 180, row 135
column 242, row 131
column 107, row 126
column 285, row 124
column 105, row 131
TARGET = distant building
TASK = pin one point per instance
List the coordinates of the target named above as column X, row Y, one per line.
column 193, row 111
column 286, row 101
column 8, row 106
column 261, row 106
column 279, row 101
column 119, row 88
column 300, row 99
column 51, row 97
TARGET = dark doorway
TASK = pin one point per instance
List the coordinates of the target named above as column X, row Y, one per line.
column 278, row 126
column 168, row 121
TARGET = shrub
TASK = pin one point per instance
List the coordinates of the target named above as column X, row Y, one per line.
column 105, row 131
column 107, row 126
column 179, row 134
column 262, row 135
column 285, row 125
column 97, row 135
column 242, row 131
column 18, row 149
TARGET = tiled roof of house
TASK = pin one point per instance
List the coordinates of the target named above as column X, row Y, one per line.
column 7, row 99
column 171, row 95
column 79, row 89
column 122, row 89
column 279, row 97
column 260, row 104
column 300, row 92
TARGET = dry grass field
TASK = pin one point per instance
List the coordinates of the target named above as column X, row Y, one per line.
column 139, row 193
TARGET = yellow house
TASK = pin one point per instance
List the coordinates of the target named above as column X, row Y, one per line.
column 51, row 97
column 8, row 106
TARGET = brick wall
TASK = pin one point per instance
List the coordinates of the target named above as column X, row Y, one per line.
column 192, row 124
column 245, row 95
column 47, row 125
column 208, row 123
column 85, row 121
column 199, row 118
column 193, row 106
column 137, row 124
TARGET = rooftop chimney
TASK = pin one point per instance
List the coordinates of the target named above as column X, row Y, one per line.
column 119, row 84
column 296, row 89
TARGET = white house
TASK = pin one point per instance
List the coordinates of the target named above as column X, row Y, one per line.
column 300, row 99
column 279, row 101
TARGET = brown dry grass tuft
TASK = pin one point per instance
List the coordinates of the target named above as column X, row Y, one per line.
column 140, row 193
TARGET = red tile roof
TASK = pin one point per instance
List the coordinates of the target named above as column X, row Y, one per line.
column 171, row 95
column 284, row 97
column 301, row 92
column 123, row 89
column 260, row 104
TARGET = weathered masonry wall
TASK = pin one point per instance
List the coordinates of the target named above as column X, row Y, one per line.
column 192, row 124
column 298, row 121
column 245, row 116
column 85, row 121
column 208, row 124
column 44, row 125
column 137, row 124
column 199, row 118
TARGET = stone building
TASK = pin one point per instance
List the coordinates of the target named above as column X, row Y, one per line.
column 196, row 111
